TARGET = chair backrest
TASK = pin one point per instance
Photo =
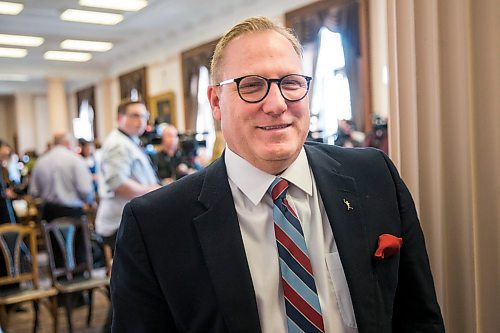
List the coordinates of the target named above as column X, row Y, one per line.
column 18, row 257
column 68, row 247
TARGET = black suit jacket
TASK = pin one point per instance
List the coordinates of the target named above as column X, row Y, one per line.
column 180, row 263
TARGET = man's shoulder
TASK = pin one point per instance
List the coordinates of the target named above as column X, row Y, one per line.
column 341, row 153
column 188, row 189
column 116, row 141
column 113, row 138
column 185, row 189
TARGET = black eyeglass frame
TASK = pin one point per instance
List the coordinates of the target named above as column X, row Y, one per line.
column 269, row 81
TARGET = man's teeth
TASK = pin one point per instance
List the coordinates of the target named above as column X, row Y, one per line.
column 274, row 127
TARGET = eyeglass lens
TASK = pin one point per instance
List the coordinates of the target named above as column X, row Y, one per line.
column 254, row 88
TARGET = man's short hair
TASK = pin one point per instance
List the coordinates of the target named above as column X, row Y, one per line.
column 122, row 108
column 62, row 138
column 250, row 25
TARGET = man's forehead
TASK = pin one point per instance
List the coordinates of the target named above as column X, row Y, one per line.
column 264, row 37
column 256, row 49
column 137, row 107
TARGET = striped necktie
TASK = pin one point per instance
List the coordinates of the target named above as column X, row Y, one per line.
column 301, row 297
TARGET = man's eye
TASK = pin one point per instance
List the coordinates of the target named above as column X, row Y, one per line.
column 292, row 84
column 252, row 86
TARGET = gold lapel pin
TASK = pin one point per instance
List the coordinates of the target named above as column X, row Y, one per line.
column 348, row 205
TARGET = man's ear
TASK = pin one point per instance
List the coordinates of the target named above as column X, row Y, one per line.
column 213, row 98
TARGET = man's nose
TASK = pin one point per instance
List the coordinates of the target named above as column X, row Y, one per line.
column 274, row 103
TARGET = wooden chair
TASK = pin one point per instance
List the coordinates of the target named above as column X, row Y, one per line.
column 19, row 280
column 68, row 245
column 108, row 257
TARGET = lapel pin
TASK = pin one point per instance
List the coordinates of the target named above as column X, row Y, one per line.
column 348, row 205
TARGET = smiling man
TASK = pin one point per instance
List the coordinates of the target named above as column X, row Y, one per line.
column 277, row 235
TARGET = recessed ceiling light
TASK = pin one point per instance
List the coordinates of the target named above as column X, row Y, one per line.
column 86, row 45
column 19, row 40
column 67, row 56
column 86, row 16
column 8, row 52
column 13, row 77
column 10, row 8
column 128, row 5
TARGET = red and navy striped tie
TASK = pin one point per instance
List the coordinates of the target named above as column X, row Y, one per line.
column 301, row 297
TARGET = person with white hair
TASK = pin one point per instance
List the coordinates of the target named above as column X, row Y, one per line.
column 62, row 180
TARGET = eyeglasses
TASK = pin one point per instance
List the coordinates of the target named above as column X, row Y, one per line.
column 144, row 116
column 254, row 88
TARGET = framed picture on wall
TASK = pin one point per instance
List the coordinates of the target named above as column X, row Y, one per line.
column 133, row 85
column 162, row 108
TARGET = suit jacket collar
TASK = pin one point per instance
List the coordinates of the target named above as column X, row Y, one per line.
column 222, row 246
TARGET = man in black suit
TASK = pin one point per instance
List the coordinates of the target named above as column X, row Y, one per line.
column 200, row 255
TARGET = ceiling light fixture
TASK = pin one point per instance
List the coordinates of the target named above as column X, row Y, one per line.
column 10, row 8
column 14, row 77
column 12, row 52
column 19, row 40
column 86, row 16
column 127, row 5
column 67, row 56
column 86, row 45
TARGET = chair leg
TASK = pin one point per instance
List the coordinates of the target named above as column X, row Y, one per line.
column 89, row 316
column 109, row 320
column 37, row 310
column 68, row 300
column 4, row 319
column 53, row 310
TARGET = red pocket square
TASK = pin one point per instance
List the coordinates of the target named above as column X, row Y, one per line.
column 388, row 245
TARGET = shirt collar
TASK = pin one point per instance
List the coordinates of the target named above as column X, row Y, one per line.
column 134, row 138
column 254, row 182
column 299, row 173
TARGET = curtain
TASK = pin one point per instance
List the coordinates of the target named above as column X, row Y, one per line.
column 192, row 60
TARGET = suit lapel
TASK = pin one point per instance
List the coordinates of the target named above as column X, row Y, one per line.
column 338, row 193
column 223, row 250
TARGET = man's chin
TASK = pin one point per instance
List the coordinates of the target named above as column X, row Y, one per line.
column 278, row 157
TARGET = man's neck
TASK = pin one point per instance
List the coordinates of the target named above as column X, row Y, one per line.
column 134, row 138
column 170, row 152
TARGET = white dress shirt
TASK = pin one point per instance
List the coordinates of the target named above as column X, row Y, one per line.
column 254, row 206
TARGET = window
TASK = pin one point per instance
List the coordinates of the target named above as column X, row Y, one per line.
column 334, row 34
column 83, row 125
column 204, row 121
column 331, row 99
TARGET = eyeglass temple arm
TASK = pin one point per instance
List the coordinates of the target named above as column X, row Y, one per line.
column 225, row 82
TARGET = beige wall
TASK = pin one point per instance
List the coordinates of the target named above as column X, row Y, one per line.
column 167, row 76
column 25, row 121
column 7, row 118
column 42, row 123
column 57, row 104
column 444, row 119
column 105, row 114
